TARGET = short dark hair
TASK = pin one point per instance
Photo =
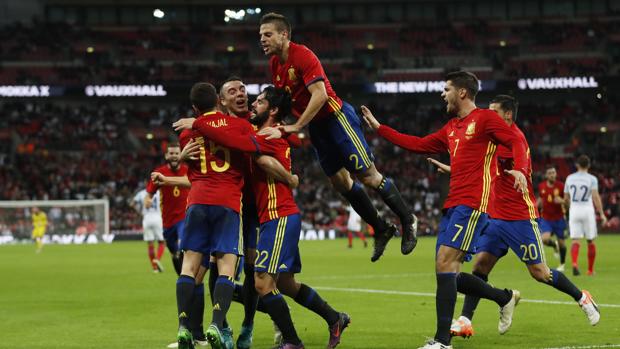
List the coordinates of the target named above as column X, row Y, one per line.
column 231, row 78
column 173, row 144
column 507, row 103
column 203, row 96
column 282, row 24
column 583, row 161
column 550, row 167
column 278, row 98
column 466, row 80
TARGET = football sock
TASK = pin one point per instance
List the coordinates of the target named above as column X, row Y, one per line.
column 222, row 296
column 560, row 282
column 160, row 249
column 471, row 302
column 562, row 254
column 361, row 203
column 238, row 293
column 177, row 262
column 445, row 300
column 151, row 250
column 574, row 252
column 213, row 275
column 197, row 310
column 350, row 236
column 591, row 256
column 310, row 299
column 250, row 297
column 361, row 236
column 391, row 196
column 276, row 307
column 472, row 285
column 185, row 291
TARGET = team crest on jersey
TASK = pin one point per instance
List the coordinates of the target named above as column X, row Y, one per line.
column 471, row 129
column 278, row 78
column 291, row 74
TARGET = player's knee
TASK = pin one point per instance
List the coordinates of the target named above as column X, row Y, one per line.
column 540, row 273
column 370, row 177
column 342, row 181
column 263, row 283
column 287, row 284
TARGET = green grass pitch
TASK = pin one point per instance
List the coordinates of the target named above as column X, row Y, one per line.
column 105, row 296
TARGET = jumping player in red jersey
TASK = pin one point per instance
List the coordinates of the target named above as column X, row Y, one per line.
column 278, row 254
column 552, row 221
column 173, row 200
column 471, row 138
column 335, row 130
column 514, row 225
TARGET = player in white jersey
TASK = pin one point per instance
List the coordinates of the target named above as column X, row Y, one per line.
column 354, row 225
column 152, row 226
column 580, row 193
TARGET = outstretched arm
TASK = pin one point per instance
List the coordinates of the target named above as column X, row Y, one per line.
column 441, row 167
column 433, row 143
column 160, row 179
column 230, row 138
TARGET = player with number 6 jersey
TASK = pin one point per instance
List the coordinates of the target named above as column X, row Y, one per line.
column 173, row 201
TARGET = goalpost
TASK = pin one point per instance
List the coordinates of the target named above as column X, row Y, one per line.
column 68, row 221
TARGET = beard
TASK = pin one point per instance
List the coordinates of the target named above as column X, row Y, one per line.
column 259, row 119
column 174, row 164
column 452, row 110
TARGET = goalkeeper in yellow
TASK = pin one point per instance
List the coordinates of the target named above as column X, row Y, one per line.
column 39, row 225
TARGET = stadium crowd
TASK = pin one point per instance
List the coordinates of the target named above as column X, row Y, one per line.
column 74, row 53
column 88, row 151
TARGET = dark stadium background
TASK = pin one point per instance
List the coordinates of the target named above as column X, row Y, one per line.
column 63, row 137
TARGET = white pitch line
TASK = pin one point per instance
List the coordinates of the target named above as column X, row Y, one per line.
column 588, row 346
column 426, row 294
column 366, row 276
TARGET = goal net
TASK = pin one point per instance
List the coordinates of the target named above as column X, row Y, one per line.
column 68, row 221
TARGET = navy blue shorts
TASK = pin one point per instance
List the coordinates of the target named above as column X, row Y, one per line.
column 522, row 237
column 250, row 225
column 557, row 228
column 278, row 250
column 211, row 229
column 339, row 142
column 173, row 234
column 460, row 228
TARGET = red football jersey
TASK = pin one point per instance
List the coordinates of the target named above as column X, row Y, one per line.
column 471, row 143
column 217, row 177
column 507, row 203
column 302, row 69
column 173, row 199
column 274, row 199
column 550, row 210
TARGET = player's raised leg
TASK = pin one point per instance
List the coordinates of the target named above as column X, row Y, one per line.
column 462, row 327
column 360, row 201
column 307, row 297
